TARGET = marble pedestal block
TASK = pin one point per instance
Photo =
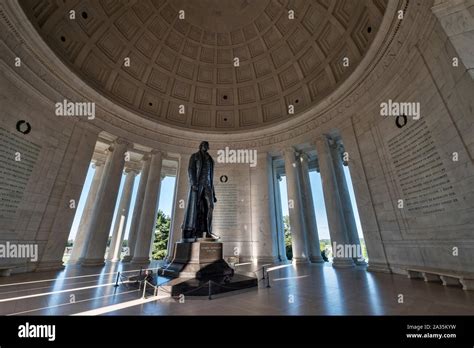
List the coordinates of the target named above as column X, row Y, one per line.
column 201, row 259
column 199, row 269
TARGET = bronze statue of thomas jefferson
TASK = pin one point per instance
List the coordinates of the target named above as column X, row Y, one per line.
column 201, row 198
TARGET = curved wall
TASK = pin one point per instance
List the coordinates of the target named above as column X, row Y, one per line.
column 410, row 60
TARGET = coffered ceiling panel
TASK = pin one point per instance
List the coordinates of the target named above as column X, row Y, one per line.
column 233, row 64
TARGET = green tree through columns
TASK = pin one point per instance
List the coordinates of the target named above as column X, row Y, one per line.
column 287, row 230
column 162, row 232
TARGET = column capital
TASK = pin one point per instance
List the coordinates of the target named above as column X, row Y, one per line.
column 316, row 162
column 321, row 138
column 289, row 154
column 289, row 149
column 156, row 152
column 303, row 157
column 97, row 163
column 339, row 150
column 332, row 143
column 114, row 145
column 328, row 139
column 147, row 156
column 128, row 170
column 119, row 142
column 123, row 141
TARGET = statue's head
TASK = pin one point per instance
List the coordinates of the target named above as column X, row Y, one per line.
column 204, row 146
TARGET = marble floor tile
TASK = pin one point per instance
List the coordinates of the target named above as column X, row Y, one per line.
column 295, row 290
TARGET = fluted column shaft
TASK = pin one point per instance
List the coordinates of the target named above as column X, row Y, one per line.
column 104, row 206
column 135, row 224
column 351, row 227
column 152, row 237
column 308, row 212
column 177, row 214
column 299, row 247
column 149, row 211
column 279, row 218
column 83, row 229
column 115, row 248
column 337, row 229
column 263, row 221
column 58, row 217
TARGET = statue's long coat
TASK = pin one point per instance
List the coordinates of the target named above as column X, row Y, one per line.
column 191, row 213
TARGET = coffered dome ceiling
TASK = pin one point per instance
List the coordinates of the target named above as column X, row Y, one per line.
column 190, row 61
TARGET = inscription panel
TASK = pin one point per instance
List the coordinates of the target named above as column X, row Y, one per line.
column 17, row 160
column 211, row 251
column 226, row 209
column 422, row 175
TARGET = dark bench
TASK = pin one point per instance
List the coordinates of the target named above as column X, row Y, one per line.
column 5, row 271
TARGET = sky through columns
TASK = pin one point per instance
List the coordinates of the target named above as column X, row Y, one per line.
column 167, row 195
column 318, row 200
column 165, row 203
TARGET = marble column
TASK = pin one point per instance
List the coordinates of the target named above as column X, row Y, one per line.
column 59, row 216
column 337, row 228
column 149, row 211
column 104, row 205
column 300, row 253
column 309, row 215
column 135, row 224
column 377, row 257
column 263, row 221
column 152, row 239
column 115, row 248
column 177, row 215
column 280, row 229
column 351, row 226
column 81, row 235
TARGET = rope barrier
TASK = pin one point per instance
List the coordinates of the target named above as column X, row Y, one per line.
column 208, row 284
column 144, row 288
column 156, row 287
column 140, row 270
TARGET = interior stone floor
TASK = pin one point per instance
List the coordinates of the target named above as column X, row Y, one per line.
column 295, row 290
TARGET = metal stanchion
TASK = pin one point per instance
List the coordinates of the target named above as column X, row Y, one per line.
column 268, row 280
column 263, row 272
column 210, row 290
column 144, row 289
column 117, row 280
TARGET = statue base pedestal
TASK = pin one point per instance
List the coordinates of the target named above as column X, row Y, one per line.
column 200, row 269
column 200, row 260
